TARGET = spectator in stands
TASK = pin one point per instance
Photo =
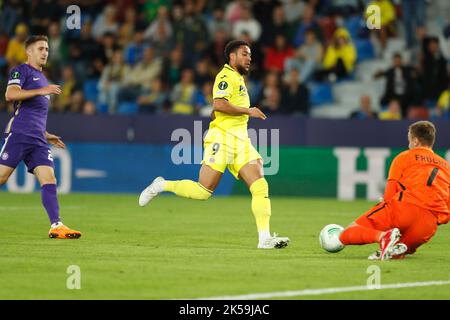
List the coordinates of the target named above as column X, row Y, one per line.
column 140, row 77
column 306, row 58
column 88, row 45
column 365, row 110
column 271, row 105
column 156, row 100
column 192, row 33
column 434, row 70
column 234, row 11
column 218, row 22
column 294, row 95
column 203, row 72
column 162, row 21
column 177, row 22
column 128, row 27
column 3, row 62
column 308, row 22
column 43, row 12
column 446, row 33
column 106, row 22
column 277, row 54
column 112, row 76
column 78, row 60
column 414, row 12
column 134, row 52
column 203, row 99
column 15, row 52
column 417, row 50
column 293, row 9
column 277, row 25
column 256, row 67
column 76, row 102
column 271, row 84
column 162, row 43
column 89, row 56
column 263, row 11
column 340, row 57
column 11, row 14
column 57, row 49
column 3, row 46
column 150, row 8
column 247, row 24
column 109, row 46
column 217, row 47
column 69, row 85
column 418, row 112
column 89, row 109
column 172, row 66
column 183, row 93
column 387, row 18
column 393, row 112
column 400, row 83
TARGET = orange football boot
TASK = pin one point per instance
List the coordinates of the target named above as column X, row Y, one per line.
column 63, row 232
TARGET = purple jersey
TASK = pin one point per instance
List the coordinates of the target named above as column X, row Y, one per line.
column 30, row 116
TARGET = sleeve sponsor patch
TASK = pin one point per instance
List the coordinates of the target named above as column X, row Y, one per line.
column 14, row 81
column 221, row 93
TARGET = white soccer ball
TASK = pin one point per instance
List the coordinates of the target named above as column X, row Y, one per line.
column 329, row 238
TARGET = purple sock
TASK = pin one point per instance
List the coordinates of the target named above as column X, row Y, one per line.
column 50, row 202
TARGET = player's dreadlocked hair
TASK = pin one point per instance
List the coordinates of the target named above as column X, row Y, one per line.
column 232, row 46
column 32, row 39
column 425, row 131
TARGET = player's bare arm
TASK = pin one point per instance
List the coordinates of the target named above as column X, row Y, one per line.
column 15, row 93
column 224, row 106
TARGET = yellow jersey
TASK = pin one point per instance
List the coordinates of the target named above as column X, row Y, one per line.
column 230, row 85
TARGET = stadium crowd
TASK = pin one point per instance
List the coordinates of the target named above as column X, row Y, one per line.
column 161, row 56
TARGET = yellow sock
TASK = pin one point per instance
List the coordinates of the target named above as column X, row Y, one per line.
column 261, row 205
column 188, row 189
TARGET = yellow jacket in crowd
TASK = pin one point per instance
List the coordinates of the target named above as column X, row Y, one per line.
column 345, row 51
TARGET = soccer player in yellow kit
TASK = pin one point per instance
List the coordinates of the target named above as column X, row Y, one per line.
column 227, row 145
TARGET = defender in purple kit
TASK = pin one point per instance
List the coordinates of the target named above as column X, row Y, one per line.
column 26, row 138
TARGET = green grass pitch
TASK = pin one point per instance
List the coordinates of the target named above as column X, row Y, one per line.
column 178, row 248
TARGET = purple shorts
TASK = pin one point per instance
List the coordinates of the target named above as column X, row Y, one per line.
column 18, row 147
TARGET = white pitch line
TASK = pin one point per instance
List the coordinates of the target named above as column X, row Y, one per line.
column 316, row 292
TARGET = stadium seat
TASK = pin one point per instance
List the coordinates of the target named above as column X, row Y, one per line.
column 102, row 107
column 430, row 103
column 127, row 108
column 90, row 90
column 364, row 49
column 353, row 25
column 320, row 93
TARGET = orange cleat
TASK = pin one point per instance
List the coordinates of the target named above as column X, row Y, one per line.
column 63, row 232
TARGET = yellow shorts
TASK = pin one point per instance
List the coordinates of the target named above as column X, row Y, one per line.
column 222, row 150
